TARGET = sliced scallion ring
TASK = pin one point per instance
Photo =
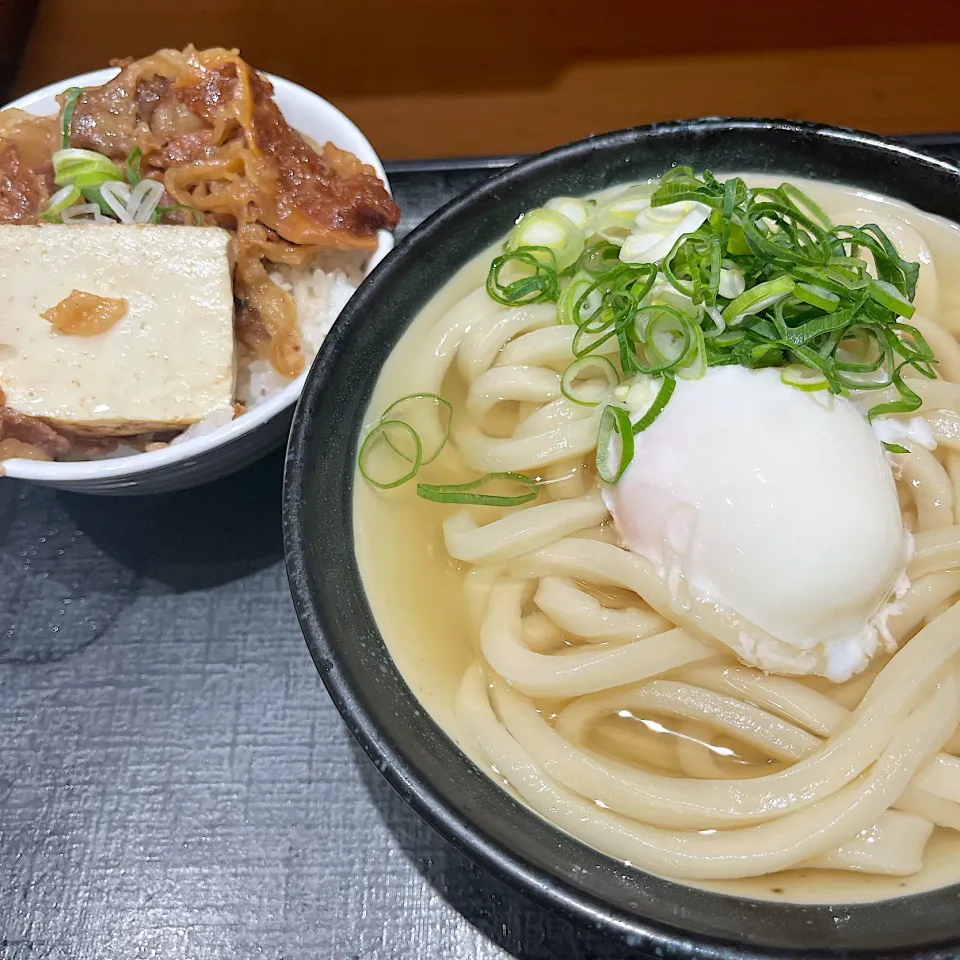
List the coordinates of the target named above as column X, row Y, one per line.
column 757, row 299
column 548, row 229
column 601, row 258
column 894, row 447
column 672, row 340
column 570, row 308
column 468, row 493
column 428, row 401
column 659, row 402
column 535, row 279
column 65, row 197
column 87, row 166
column 574, row 392
column 694, row 365
column 579, row 212
column 614, row 444
column 908, row 402
column 803, row 378
column 668, row 337
column 377, row 438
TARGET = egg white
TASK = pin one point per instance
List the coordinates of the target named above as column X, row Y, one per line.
column 776, row 506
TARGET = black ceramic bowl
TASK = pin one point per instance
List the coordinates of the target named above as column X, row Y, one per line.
column 656, row 916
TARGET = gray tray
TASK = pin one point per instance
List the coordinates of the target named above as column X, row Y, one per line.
column 174, row 781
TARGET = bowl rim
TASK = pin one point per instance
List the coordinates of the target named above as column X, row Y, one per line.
column 379, row 743
column 134, row 466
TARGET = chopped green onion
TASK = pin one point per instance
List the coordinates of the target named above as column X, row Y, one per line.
column 84, row 168
column 767, row 280
column 887, row 295
column 731, row 283
column 60, row 201
column 132, row 166
column 611, row 463
column 894, row 447
column 580, row 367
column 438, row 405
column 614, row 217
column 537, row 280
column 66, row 118
column 659, row 402
column 816, row 296
column 800, row 200
column 570, row 308
column 92, row 181
column 467, row 492
column 194, row 212
column 368, row 449
column 803, row 378
column 600, row 258
column 577, row 211
column 694, row 365
column 545, row 229
column 757, row 299
column 908, row 402
column 668, row 338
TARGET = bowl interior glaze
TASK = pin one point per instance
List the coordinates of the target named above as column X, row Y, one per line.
column 657, row 916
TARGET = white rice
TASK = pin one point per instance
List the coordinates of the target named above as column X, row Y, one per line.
column 320, row 292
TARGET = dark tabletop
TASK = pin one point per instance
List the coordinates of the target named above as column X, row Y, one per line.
column 174, row 781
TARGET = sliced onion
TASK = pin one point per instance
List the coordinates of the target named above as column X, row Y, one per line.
column 81, row 213
column 589, row 393
column 144, row 200
column 116, row 196
column 61, row 200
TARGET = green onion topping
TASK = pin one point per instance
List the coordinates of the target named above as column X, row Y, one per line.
column 66, row 118
column 660, row 401
column 384, row 476
column 469, row 493
column 427, row 403
column 614, row 444
column 194, row 212
column 65, row 197
column 524, row 276
column 550, row 230
column 575, row 391
column 393, row 453
column 766, row 281
column 83, row 168
column 132, row 166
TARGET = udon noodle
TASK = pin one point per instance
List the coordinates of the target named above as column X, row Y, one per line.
column 556, row 660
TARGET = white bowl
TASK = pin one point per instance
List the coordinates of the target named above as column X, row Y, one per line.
column 240, row 442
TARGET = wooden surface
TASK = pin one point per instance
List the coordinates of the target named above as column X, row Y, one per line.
column 448, row 77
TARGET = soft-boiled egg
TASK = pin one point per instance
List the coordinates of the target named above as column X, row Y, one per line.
column 776, row 506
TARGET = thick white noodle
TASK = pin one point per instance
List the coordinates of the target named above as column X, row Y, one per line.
column 624, row 718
